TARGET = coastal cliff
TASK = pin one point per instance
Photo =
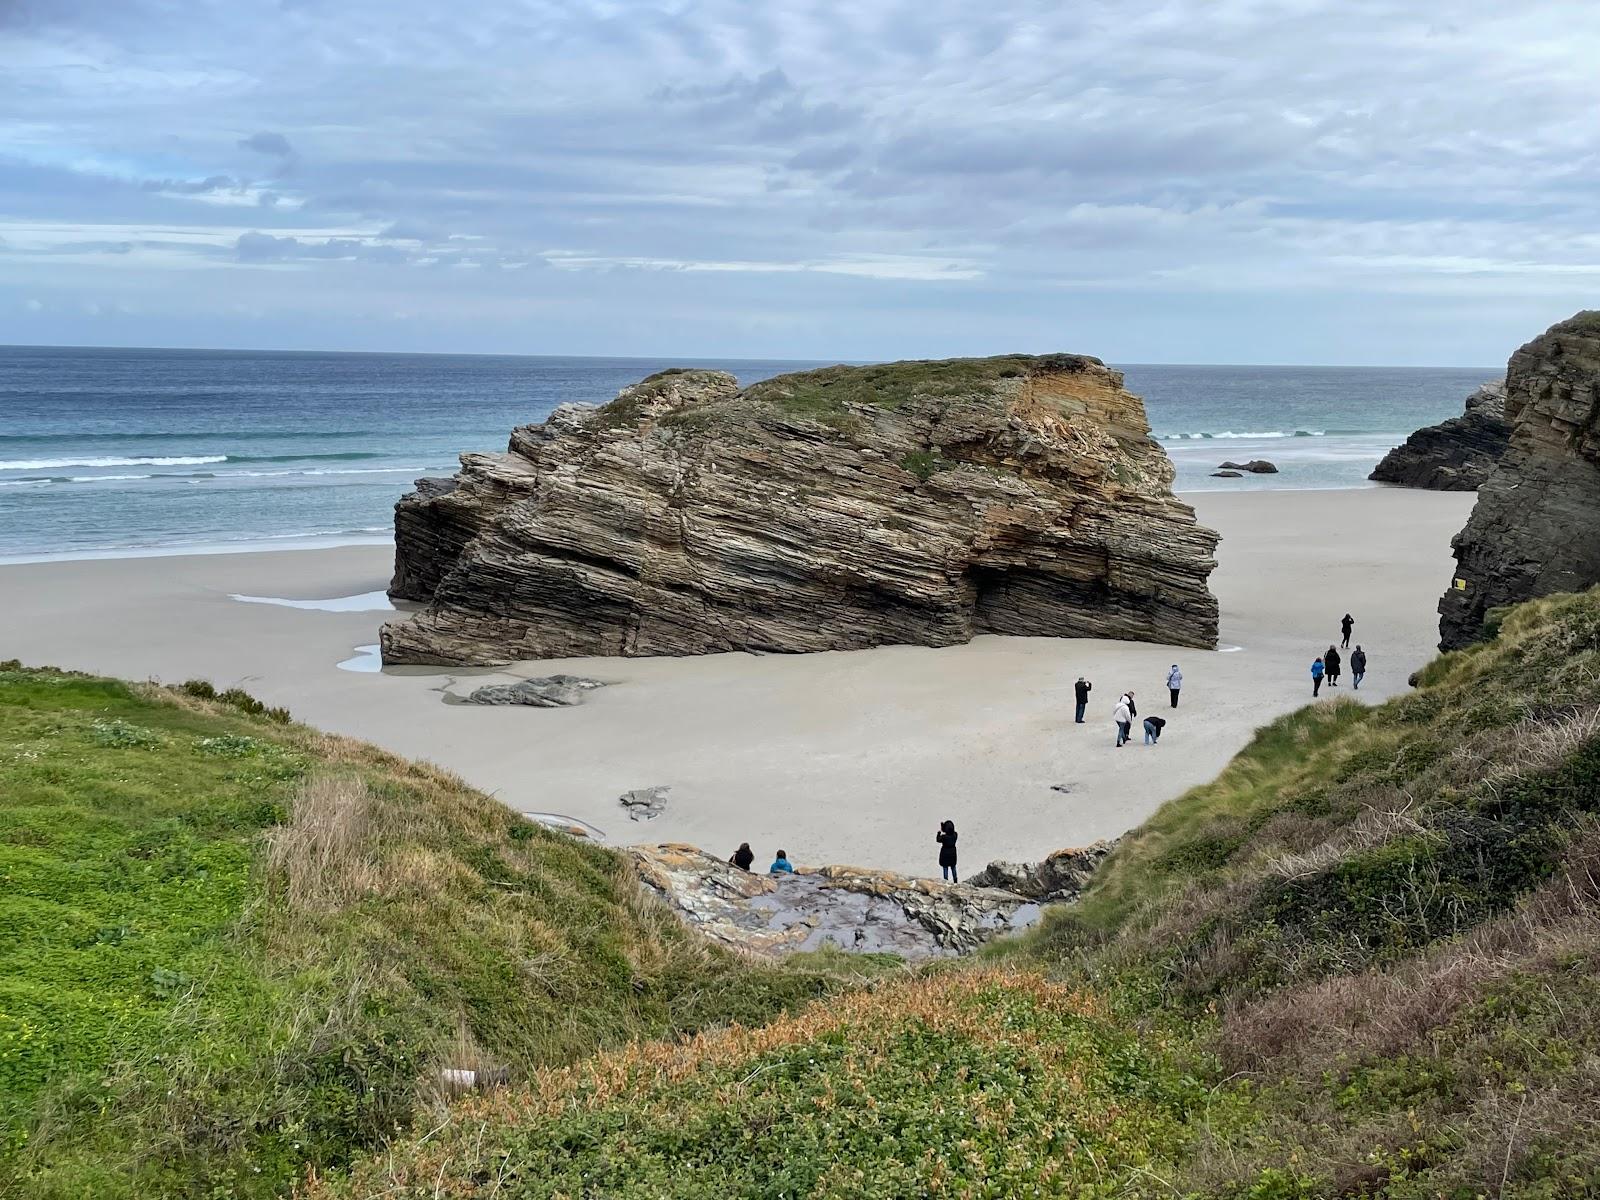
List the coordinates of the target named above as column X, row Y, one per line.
column 920, row 502
column 1455, row 455
column 1536, row 527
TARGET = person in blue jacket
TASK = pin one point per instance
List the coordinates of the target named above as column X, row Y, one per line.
column 1317, row 672
column 781, row 865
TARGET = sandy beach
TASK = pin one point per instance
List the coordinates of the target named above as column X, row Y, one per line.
column 839, row 757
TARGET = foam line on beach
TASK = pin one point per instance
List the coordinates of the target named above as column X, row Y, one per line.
column 365, row 602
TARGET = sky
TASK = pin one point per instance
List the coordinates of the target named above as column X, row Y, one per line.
column 1196, row 181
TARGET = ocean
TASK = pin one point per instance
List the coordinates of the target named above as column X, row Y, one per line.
column 110, row 452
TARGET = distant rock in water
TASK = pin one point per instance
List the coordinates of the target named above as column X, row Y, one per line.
column 1226, row 475
column 1061, row 876
column 1536, row 526
column 849, row 907
column 1455, row 455
column 920, row 502
column 1256, row 466
column 549, row 691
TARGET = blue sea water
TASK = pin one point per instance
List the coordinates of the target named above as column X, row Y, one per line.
column 110, row 451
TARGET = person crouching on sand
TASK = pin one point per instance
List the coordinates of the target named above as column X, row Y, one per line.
column 946, row 837
column 743, row 857
column 781, row 865
column 1174, row 682
column 1317, row 672
column 1152, row 730
column 1331, row 663
column 1123, row 716
column 1358, row 666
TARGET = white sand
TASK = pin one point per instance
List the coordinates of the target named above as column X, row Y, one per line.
column 840, row 757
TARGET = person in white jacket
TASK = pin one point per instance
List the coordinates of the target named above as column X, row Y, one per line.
column 1124, row 719
column 1174, row 682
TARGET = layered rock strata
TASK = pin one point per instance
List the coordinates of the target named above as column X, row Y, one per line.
column 852, row 908
column 854, row 506
column 1455, row 455
column 1060, row 876
column 1536, row 526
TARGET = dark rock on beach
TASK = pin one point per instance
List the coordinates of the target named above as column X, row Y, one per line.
column 1226, row 475
column 1536, row 526
column 1256, row 466
column 920, row 503
column 1061, row 876
column 550, row 691
column 849, row 907
column 644, row 804
column 1455, row 455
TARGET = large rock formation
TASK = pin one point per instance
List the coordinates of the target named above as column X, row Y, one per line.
column 915, row 502
column 1455, row 455
column 1536, row 526
column 849, row 907
column 1061, row 875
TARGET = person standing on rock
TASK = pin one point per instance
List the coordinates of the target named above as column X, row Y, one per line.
column 781, row 865
column 1174, row 682
column 1083, row 687
column 1152, row 730
column 1347, row 625
column 1358, row 666
column 743, row 857
column 1317, row 672
column 946, row 837
column 1123, row 716
column 1332, row 662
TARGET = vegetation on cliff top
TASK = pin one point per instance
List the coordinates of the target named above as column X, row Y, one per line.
column 234, row 947
column 1361, row 962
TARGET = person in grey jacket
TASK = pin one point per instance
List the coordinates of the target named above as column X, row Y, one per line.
column 1174, row 682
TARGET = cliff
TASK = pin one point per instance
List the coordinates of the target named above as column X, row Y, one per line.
column 1536, row 527
column 920, row 502
column 1455, row 455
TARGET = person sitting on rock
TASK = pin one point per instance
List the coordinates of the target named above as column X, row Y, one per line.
column 743, row 857
column 946, row 837
column 781, row 865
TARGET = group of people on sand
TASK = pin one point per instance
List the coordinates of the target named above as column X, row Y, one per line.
column 744, row 858
column 1329, row 665
column 1127, row 709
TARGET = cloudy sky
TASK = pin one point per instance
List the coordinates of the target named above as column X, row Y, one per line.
column 1301, row 181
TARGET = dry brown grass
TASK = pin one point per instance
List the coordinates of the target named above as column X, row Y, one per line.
column 324, row 854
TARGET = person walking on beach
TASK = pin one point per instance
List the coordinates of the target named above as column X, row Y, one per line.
column 1174, row 682
column 1317, row 671
column 1083, row 687
column 1332, row 662
column 1152, row 730
column 743, row 857
column 1358, row 665
column 1123, row 716
column 1127, row 698
column 946, row 837
column 1347, row 625
column 781, row 865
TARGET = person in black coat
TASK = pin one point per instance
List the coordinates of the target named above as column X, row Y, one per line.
column 743, row 857
column 1082, row 689
column 1358, row 665
column 1332, row 662
column 946, row 837
column 1346, row 626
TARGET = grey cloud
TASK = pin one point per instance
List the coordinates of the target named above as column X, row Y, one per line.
column 273, row 144
column 193, row 187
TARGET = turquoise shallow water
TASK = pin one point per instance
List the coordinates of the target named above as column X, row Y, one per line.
column 139, row 451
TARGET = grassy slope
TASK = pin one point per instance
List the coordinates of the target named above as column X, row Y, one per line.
column 1361, row 962
column 231, row 947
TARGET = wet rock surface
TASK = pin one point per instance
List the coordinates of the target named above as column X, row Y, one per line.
column 919, row 503
column 1227, row 475
column 549, row 691
column 1061, row 876
column 1536, row 526
column 644, row 804
column 1455, row 455
column 1256, row 466
column 852, row 908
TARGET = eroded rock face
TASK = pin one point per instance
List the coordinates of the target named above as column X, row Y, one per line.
column 849, row 907
column 1536, row 526
column 854, row 506
column 1061, row 876
column 548, row 691
column 1455, row 455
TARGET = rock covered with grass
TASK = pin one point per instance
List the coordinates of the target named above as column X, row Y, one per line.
column 1536, row 527
column 1455, row 455
column 918, row 502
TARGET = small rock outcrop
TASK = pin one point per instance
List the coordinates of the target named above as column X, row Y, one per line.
column 921, row 503
column 1256, row 466
column 1455, row 455
column 548, row 691
column 1226, row 475
column 644, row 804
column 849, row 907
column 1061, row 876
column 1536, row 526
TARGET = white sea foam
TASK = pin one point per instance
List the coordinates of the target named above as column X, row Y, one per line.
column 48, row 464
column 365, row 602
column 1227, row 435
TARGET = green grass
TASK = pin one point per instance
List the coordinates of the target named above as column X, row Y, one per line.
column 232, row 948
